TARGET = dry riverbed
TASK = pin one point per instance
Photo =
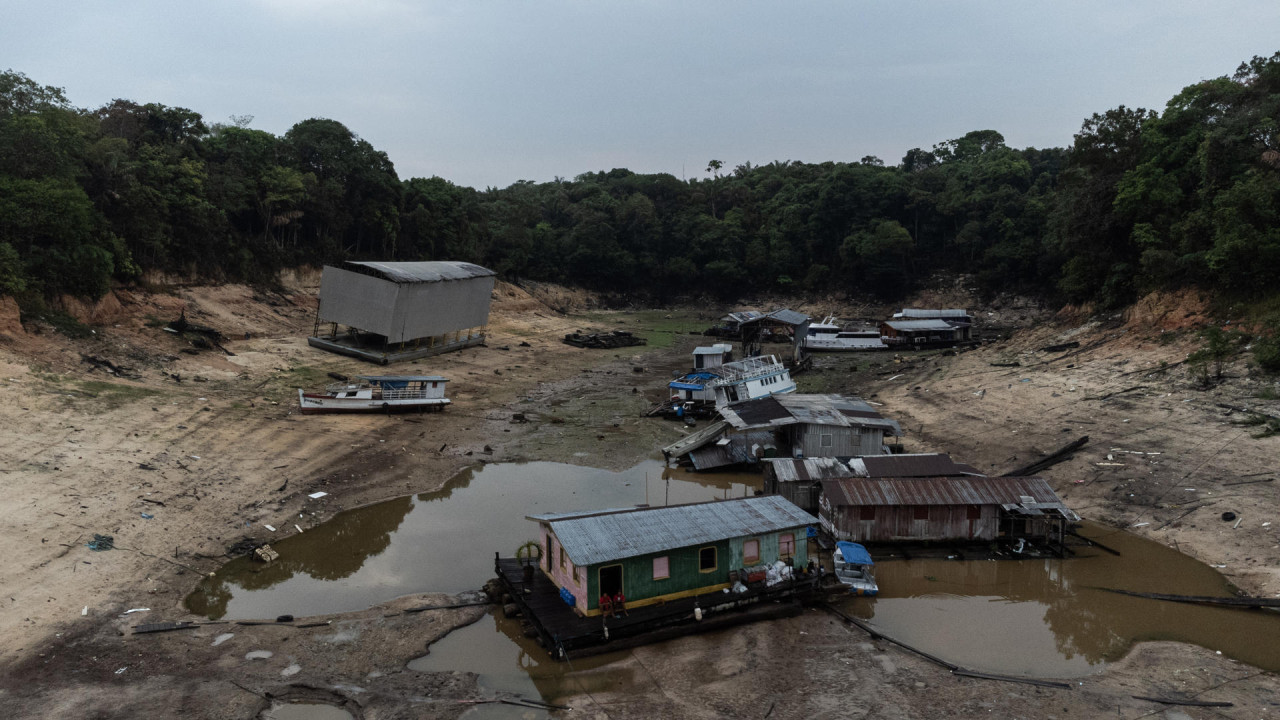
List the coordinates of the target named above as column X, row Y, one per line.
column 210, row 447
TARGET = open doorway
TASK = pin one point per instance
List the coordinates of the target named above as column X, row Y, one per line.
column 610, row 580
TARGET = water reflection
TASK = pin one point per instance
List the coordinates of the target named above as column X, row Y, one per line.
column 441, row 541
column 509, row 663
column 1050, row 617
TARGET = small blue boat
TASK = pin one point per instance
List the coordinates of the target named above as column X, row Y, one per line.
column 853, row 568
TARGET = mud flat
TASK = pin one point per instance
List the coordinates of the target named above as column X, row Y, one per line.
column 209, row 446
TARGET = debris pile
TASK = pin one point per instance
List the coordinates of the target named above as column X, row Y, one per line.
column 615, row 339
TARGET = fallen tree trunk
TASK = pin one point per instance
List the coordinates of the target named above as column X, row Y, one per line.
column 1049, row 460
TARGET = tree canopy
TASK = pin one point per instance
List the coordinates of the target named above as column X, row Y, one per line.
column 1141, row 200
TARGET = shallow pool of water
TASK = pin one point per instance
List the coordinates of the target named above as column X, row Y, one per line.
column 1044, row 618
column 1051, row 618
column 442, row 541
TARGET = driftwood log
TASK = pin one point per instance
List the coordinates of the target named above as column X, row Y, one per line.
column 1049, row 460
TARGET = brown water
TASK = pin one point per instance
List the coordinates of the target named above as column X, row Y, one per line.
column 1043, row 618
column 1050, row 618
column 442, row 541
column 509, row 663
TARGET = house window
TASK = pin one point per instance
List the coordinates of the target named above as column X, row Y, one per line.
column 867, row 512
column 661, row 568
column 786, row 545
column 707, row 559
column 826, row 440
column 562, row 557
column 751, row 552
column 975, row 512
column 575, row 574
column 920, row 512
column 549, row 555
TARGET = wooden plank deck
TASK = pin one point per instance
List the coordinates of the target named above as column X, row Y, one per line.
column 564, row 631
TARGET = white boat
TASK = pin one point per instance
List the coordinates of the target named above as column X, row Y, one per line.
column 750, row 379
column 372, row 393
column 828, row 336
column 853, row 568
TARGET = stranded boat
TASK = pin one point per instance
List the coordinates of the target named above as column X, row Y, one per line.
column 751, row 379
column 828, row 336
column 853, row 568
column 370, row 393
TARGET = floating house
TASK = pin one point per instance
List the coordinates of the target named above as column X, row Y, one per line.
column 658, row 554
column 800, row 479
column 390, row 311
column 967, row 508
column 828, row 336
column 916, row 327
column 792, row 426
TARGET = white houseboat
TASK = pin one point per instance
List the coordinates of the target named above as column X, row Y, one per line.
column 371, row 393
column 827, row 336
column 752, row 378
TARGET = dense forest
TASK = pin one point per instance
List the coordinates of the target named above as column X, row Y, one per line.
column 1141, row 200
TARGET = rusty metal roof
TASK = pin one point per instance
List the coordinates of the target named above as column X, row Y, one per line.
column 607, row 535
column 793, row 408
column 419, row 272
column 809, row 469
column 942, row 491
column 910, row 465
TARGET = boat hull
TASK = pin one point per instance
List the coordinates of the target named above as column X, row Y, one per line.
column 314, row 404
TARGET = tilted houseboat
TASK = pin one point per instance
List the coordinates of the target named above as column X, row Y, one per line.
column 752, row 378
column 372, row 393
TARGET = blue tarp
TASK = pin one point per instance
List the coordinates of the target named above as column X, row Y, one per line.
column 685, row 386
column 854, row 553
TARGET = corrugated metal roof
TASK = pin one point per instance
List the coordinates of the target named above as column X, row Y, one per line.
column 793, row 408
column 809, row 469
column 790, row 317
column 743, row 316
column 955, row 313
column 941, row 491
column 614, row 535
column 782, row 315
column 910, row 465
column 918, row 324
column 876, row 466
column 417, row 272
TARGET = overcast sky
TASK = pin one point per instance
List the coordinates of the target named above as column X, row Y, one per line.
column 487, row 92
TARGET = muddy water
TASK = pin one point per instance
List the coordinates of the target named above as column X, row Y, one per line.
column 1049, row 618
column 436, row 542
column 1044, row 618
column 509, row 663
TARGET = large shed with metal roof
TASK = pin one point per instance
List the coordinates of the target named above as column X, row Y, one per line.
column 656, row 554
column 389, row 311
